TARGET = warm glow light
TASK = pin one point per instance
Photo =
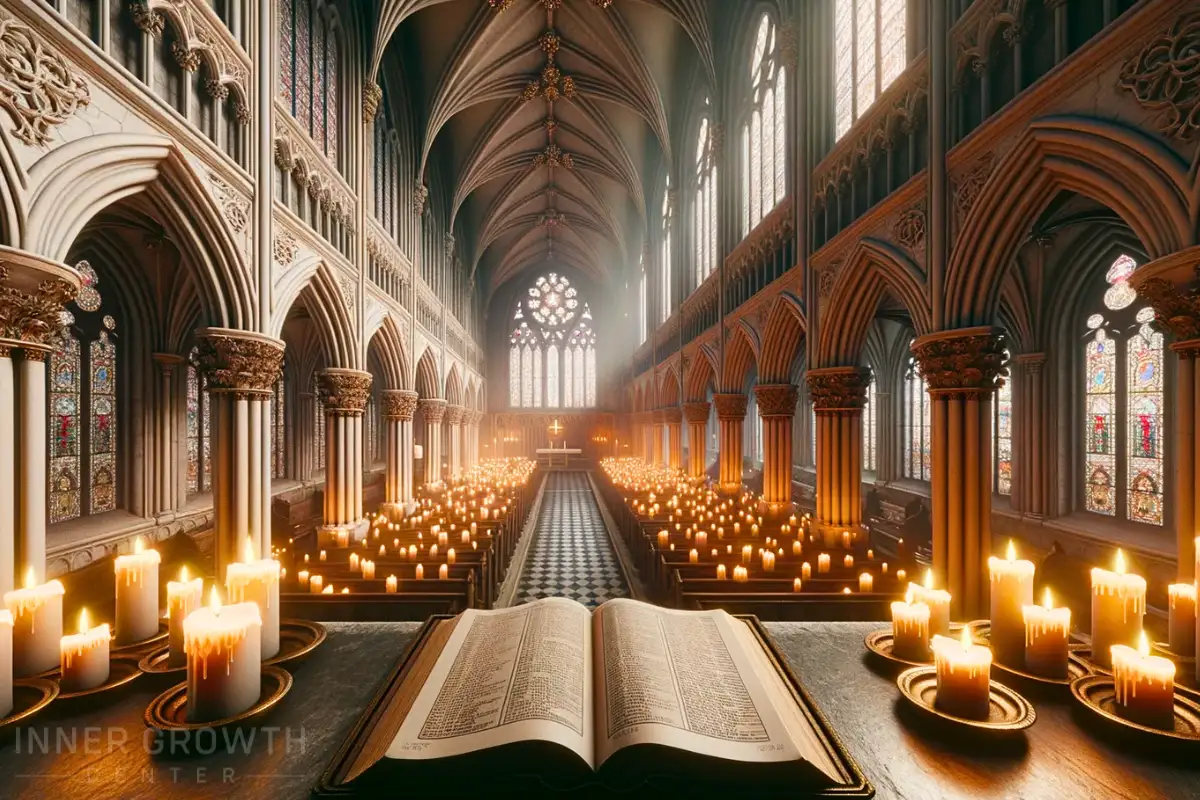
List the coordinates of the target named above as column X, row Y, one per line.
column 1120, row 567
column 214, row 600
column 249, row 550
column 30, row 578
column 1047, row 601
column 83, row 621
column 1143, row 646
column 183, row 574
column 908, row 596
column 1011, row 553
column 965, row 638
column 928, row 579
column 138, row 546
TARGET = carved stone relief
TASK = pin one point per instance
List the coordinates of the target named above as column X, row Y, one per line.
column 38, row 87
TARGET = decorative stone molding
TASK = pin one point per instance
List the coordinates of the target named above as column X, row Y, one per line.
column 234, row 207
column 973, row 33
column 295, row 154
column 147, row 21
column 349, row 294
column 909, row 229
column 372, row 98
column 776, row 399
column 420, row 196
column 399, row 404
column 837, row 390
column 285, row 248
column 766, row 238
column 38, row 87
column 671, row 415
column 1165, row 77
column 433, row 409
column 696, row 412
column 970, row 361
column 1032, row 363
column 344, row 392
column 33, row 291
column 454, row 415
column 827, row 279
column 187, row 59
column 730, row 405
column 968, row 188
column 245, row 363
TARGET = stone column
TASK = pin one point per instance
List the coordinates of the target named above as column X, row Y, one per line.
column 398, row 408
column 673, row 419
column 777, row 407
column 33, row 292
column 697, row 421
column 838, row 394
column 1028, row 428
column 1171, row 286
column 432, row 410
column 962, row 369
column 344, row 394
column 454, row 419
column 471, row 441
column 656, row 438
column 167, row 462
column 241, row 369
column 731, row 413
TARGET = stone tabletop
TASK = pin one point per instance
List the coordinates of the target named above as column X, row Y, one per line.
column 102, row 751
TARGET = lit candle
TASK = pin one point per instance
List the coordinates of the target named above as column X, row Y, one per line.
column 866, row 582
column 412, row 551
column 354, row 565
column 720, row 572
column 466, row 535
column 342, row 537
column 693, row 556
column 451, row 556
column 938, row 601
column 739, row 574
column 963, row 676
column 301, row 578
column 1145, row 685
column 391, row 584
column 443, row 538
column 6, row 663
column 433, row 551
column 328, row 589
column 137, row 594
column 768, row 561
column 823, row 563
column 315, row 584
column 870, row 554
column 37, row 625
column 846, row 539
column 183, row 597
column 396, row 544
column 321, row 555
column 910, row 629
column 368, row 570
column 382, row 551
column 257, row 581
column 796, row 585
column 848, row 561
column 306, row 558
column 884, row 568
column 701, row 539
column 443, row 572
column 747, row 554
column 901, row 575
column 797, row 548
column 224, row 661
column 1118, row 603
column 420, row 572
column 1181, row 618
column 806, row 571
column 83, row 656
column 1011, row 584
column 1047, row 630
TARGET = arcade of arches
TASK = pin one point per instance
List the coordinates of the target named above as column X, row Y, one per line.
column 919, row 265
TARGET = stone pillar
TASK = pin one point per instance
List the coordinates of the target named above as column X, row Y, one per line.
column 432, row 410
column 673, row 419
column 962, row 369
column 697, row 421
column 656, row 438
column 398, row 408
column 887, row 433
column 241, row 369
column 777, row 407
column 1030, row 493
column 1171, row 286
column 344, row 394
column 165, row 416
column 471, row 441
column 454, row 419
column 731, row 413
column 838, row 394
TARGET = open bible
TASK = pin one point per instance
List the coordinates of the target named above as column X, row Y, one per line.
column 550, row 695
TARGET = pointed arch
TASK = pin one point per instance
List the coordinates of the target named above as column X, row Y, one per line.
column 389, row 343
column 668, row 388
column 454, row 387
column 741, row 355
column 786, row 325
column 427, row 384
column 312, row 280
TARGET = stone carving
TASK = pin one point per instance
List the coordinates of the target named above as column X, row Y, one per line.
column 972, row 363
column 838, row 390
column 344, row 393
column 32, row 315
column 349, row 293
column 967, row 190
column 671, row 415
column 372, row 97
column 1165, row 77
column 1177, row 311
column 420, row 195
column 776, row 399
column 789, row 45
column 187, row 58
column 828, row 279
column 909, row 229
column 399, row 404
column 696, row 412
column 234, row 207
column 284, row 248
column 295, row 154
column 147, row 21
column 249, row 367
column 454, row 415
column 432, row 408
column 730, row 406
column 38, row 88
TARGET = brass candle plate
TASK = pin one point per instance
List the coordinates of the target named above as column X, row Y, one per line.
column 880, row 643
column 1008, row 712
column 1164, row 650
column 157, row 662
column 164, row 630
column 1076, row 668
column 297, row 638
column 30, row 695
column 168, row 711
column 121, row 670
column 1097, row 693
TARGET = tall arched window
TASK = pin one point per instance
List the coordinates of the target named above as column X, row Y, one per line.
column 764, row 133
column 869, row 434
column 278, row 431
column 552, row 348
column 664, row 256
column 1002, row 438
column 870, row 51
column 917, row 449
column 643, row 310
column 705, row 203
column 1123, row 406
column 199, row 471
column 387, row 165
column 310, row 69
column 82, row 473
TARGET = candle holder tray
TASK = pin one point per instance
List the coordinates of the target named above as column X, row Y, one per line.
column 121, row 670
column 880, row 643
column 164, row 631
column 1008, row 711
column 1164, row 650
column 1076, row 668
column 297, row 639
column 168, row 711
column 1097, row 694
column 157, row 662
column 30, row 695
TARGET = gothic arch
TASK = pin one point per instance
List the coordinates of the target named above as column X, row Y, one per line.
column 427, row 383
column 312, row 280
column 784, row 332
column 393, row 358
column 668, row 390
column 741, row 355
column 454, row 387
column 701, row 373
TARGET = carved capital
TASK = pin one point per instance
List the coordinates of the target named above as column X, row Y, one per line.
column 399, row 404
column 344, row 392
column 432, row 408
column 696, row 412
column 969, row 361
column 238, row 361
column 1175, row 308
column 454, row 415
column 147, row 21
column 187, row 58
column 838, row 389
column 671, row 415
column 1187, row 351
column 730, row 405
column 33, row 291
column 372, row 98
column 420, row 195
column 776, row 399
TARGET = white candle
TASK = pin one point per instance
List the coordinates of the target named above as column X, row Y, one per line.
column 1181, row 618
column 433, row 551
column 368, row 570
column 797, row 548
column 1047, row 631
column 848, row 561
column 257, row 582
column 137, row 594
column 768, row 561
column 315, row 584
column 806, row 571
column 846, row 539
column 451, row 556
column 443, row 572
column 823, row 563
column 701, row 540
column 322, row 555
column 443, row 539
column 747, row 553
column 866, row 582
column 910, row 629
column 739, row 574
column 412, row 551
column 938, row 601
column 1118, row 603
column 183, row 597
column 37, row 625
column 382, row 551
column 797, row 585
column 354, row 565
column 1145, row 685
column 1011, row 584
column 83, row 656
column 720, row 572
column 420, row 572
column 224, row 663
column 963, row 676
column 391, row 585
column 6, row 663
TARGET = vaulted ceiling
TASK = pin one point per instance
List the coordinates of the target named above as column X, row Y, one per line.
column 547, row 122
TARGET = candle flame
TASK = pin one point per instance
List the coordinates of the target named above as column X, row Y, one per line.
column 83, row 620
column 1011, row 553
column 214, row 600
column 138, row 546
column 966, row 638
column 1143, row 646
column 1047, row 602
column 1120, row 568
column 928, row 579
column 249, row 550
column 183, row 574
column 908, row 596
column 30, row 578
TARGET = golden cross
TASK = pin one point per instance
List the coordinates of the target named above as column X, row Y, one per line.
column 556, row 429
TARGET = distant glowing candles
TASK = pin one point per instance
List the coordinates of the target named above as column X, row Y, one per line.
column 443, row 572
column 797, row 548
column 740, row 575
column 183, row 597
column 910, row 629
column 412, row 551
column 301, row 578
column 701, row 540
column 6, row 663
column 768, row 561
column 747, row 554
column 354, row 562
column 342, row 537
column 806, row 571
column 846, row 539
column 663, row 537
column 443, row 539
column 720, row 572
column 901, row 575
column 848, row 561
column 1047, row 631
column 83, row 656
column 870, row 554
column 693, row 556
column 37, row 625
column 420, row 573
column 1181, row 618
column 391, row 584
column 938, row 601
column 1011, row 585
column 823, row 563
column 328, row 589
column 137, row 594
column 451, row 556
column 1145, row 685
column 368, row 570
column 315, row 584
column 224, row 661
column 321, row 555
column 797, row 585
column 1118, row 603
column 866, row 582
column 256, row 580
column 963, row 676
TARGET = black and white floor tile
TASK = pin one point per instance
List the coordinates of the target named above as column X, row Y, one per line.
column 572, row 555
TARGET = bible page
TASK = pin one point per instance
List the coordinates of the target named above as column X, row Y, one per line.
column 510, row 675
column 681, row 679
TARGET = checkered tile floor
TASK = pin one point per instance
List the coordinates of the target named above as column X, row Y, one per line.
column 571, row 555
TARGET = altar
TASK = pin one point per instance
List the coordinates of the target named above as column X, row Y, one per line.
column 550, row 456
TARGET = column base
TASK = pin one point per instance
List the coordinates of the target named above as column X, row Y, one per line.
column 343, row 535
column 831, row 535
column 774, row 511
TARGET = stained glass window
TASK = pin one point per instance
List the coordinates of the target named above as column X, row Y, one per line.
column 764, row 133
column 870, row 51
column 552, row 376
column 917, row 412
column 193, row 430
column 302, row 60
column 287, row 43
column 589, row 364
column 643, row 331
column 547, row 366
column 332, row 72
column 278, row 431
column 537, row 377
column 568, row 379
column 1144, row 424
column 514, row 372
column 318, row 430
column 65, row 399
column 1002, row 438
column 705, row 211
column 868, row 430
column 310, row 72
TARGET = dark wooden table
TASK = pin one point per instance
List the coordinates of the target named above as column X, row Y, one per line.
column 100, row 752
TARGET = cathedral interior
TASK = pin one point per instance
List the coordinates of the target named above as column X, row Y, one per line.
column 614, row 290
